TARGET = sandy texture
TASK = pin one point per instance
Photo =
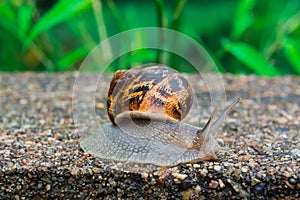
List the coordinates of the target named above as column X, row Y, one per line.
column 40, row 156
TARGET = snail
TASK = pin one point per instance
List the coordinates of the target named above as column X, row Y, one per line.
column 145, row 107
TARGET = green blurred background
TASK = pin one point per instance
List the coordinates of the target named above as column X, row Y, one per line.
column 243, row 37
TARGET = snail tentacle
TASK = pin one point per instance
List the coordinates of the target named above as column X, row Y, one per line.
column 218, row 122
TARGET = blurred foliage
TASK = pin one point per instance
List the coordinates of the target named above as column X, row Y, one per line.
column 246, row 36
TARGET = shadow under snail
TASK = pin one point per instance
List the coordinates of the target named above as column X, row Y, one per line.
column 145, row 107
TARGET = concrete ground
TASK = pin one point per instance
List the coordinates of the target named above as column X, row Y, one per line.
column 40, row 155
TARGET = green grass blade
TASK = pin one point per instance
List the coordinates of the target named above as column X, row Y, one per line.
column 7, row 12
column 117, row 16
column 287, row 24
column 162, row 14
column 177, row 14
column 68, row 61
column 25, row 13
column 291, row 50
column 8, row 18
column 163, row 22
column 251, row 58
column 59, row 13
column 291, row 23
column 243, row 17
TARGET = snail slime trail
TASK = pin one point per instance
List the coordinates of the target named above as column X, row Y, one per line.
column 145, row 107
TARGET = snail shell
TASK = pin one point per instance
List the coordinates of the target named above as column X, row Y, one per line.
column 145, row 107
column 158, row 92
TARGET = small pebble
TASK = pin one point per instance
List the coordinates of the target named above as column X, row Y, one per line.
column 153, row 181
column 259, row 187
column 255, row 181
column 292, row 180
column 289, row 185
column 75, row 171
column 213, row 184
column 198, row 189
column 186, row 183
column 295, row 152
column 96, row 170
column 222, row 185
column 217, row 168
column 179, row 176
column 48, row 187
column 244, row 169
column 286, row 174
column 196, row 165
column 234, row 185
column 176, row 181
column 144, row 175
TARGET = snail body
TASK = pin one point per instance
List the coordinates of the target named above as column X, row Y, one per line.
column 145, row 107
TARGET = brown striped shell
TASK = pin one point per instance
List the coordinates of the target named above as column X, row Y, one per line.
column 156, row 92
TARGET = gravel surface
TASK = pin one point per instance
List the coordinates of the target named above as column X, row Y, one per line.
column 40, row 156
